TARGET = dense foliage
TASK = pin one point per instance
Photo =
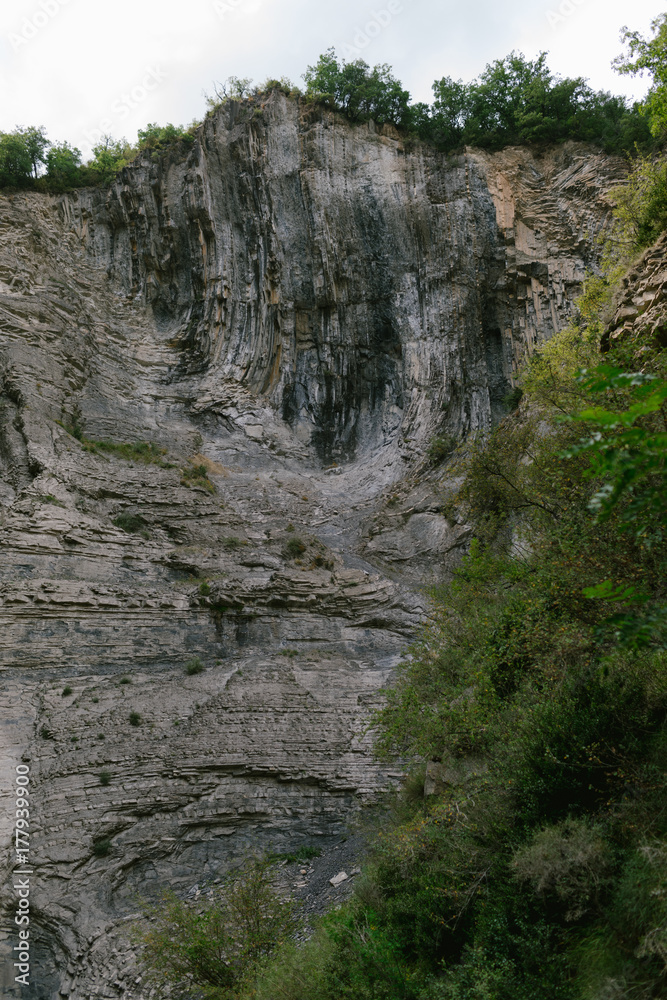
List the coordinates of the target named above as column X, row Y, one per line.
column 515, row 101
column 29, row 160
column 358, row 91
column 649, row 55
column 210, row 949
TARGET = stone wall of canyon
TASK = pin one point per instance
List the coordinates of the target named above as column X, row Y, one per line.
column 288, row 311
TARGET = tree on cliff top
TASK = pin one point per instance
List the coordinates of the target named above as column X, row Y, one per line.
column 518, row 101
column 357, row 90
column 649, row 55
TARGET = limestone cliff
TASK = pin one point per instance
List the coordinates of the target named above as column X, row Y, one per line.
column 288, row 312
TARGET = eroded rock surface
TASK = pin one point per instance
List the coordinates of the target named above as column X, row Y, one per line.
column 288, row 312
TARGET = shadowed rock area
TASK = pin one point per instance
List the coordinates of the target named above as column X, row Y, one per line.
column 219, row 379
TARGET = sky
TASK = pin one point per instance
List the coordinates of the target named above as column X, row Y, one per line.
column 83, row 68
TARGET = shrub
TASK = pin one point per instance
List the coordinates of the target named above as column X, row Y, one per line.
column 298, row 972
column 194, row 666
column 196, row 477
column 101, row 848
column 135, row 719
column 641, row 204
column 130, row 523
column 138, row 451
column 125, row 680
column 214, row 947
column 105, row 777
column 204, row 589
column 233, row 89
column 109, row 158
column 440, row 448
column 158, row 137
column 66, row 691
column 231, row 542
column 570, row 862
column 283, row 85
column 294, row 547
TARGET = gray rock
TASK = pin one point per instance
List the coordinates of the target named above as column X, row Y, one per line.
column 338, row 879
column 295, row 307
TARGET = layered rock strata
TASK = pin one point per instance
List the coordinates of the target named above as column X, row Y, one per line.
column 281, row 317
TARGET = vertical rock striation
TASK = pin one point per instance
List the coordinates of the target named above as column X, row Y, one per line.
column 287, row 311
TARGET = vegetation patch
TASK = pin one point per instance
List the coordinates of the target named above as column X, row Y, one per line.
column 214, row 948
column 294, row 547
column 131, row 523
column 231, row 542
column 440, row 448
column 144, row 452
column 196, row 476
column 514, row 101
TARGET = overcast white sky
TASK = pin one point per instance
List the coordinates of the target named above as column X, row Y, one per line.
column 80, row 67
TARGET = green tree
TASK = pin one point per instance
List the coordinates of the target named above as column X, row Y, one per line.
column 156, row 137
column 109, row 156
column 627, row 448
column 358, row 91
column 214, row 946
column 519, row 101
column 15, row 161
column 234, row 88
column 22, row 154
column 63, row 163
column 451, row 107
column 506, row 90
column 649, row 55
column 36, row 145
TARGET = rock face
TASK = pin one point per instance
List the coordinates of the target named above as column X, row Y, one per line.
column 264, row 331
column 642, row 303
